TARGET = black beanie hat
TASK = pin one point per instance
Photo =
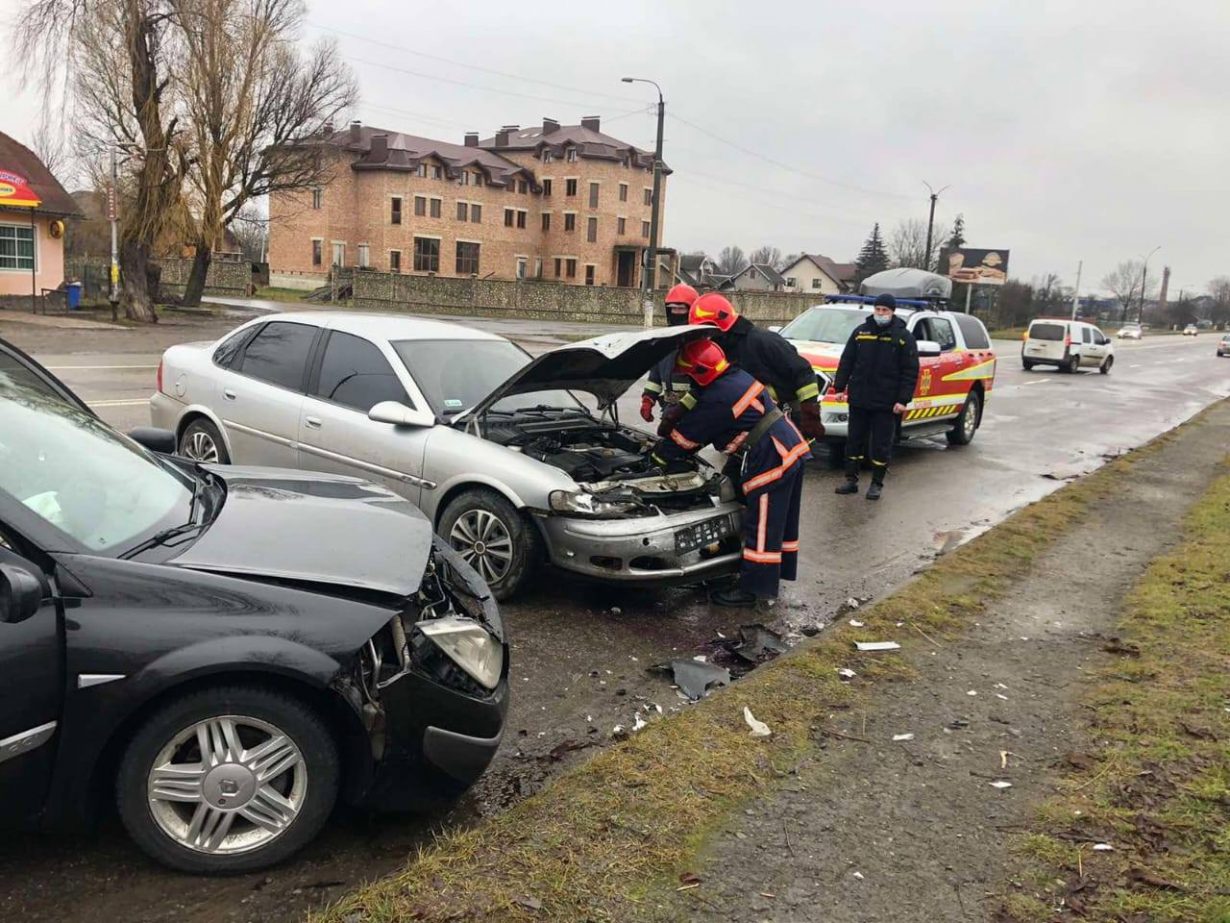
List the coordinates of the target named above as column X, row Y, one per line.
column 886, row 301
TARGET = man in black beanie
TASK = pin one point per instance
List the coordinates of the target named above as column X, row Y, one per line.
column 879, row 368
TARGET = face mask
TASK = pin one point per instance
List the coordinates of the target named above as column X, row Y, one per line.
column 883, row 320
column 676, row 316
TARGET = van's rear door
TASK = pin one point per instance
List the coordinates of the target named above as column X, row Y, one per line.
column 1046, row 341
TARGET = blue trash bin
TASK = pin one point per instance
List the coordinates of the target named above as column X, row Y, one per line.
column 73, row 295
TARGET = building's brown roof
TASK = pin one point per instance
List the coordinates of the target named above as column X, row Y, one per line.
column 404, row 153
column 841, row 273
column 589, row 141
column 20, row 159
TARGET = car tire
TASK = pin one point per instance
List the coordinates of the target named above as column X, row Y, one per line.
column 1027, row 365
column 493, row 538
column 201, row 441
column 962, row 432
column 305, row 789
column 1106, row 365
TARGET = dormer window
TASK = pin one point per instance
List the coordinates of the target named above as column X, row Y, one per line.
column 546, row 156
column 422, row 170
column 571, row 155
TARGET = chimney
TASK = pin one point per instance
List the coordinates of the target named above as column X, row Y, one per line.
column 501, row 138
column 1165, row 291
column 591, row 122
column 380, row 148
column 356, row 131
column 327, row 131
column 471, row 139
column 549, row 126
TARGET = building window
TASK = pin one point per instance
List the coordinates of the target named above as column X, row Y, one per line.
column 546, row 156
column 546, row 221
column 478, row 179
column 623, row 192
column 591, row 230
column 522, row 266
column 571, row 156
column 318, row 251
column 436, row 205
column 622, row 227
column 463, row 211
column 570, row 221
column 570, row 187
column 420, row 205
column 437, row 172
column 570, row 266
column 521, row 217
column 426, row 254
column 523, row 187
column 644, row 228
column 815, row 283
column 318, row 195
column 465, row 177
column 394, row 261
column 593, row 195
column 339, row 253
column 467, row 258
column 546, row 188
column 648, row 196
column 364, row 256
column 395, row 210
column 589, row 273
column 422, row 170
column 558, row 266
column 509, row 217
column 476, row 214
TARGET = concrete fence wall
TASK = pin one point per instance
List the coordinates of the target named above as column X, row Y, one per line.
column 543, row 300
column 223, row 278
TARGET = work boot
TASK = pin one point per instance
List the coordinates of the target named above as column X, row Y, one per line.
column 873, row 492
column 734, row 598
column 850, row 487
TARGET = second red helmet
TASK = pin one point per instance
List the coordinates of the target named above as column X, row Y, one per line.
column 681, row 294
column 702, row 360
column 715, row 310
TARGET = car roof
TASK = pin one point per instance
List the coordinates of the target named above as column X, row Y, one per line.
column 375, row 325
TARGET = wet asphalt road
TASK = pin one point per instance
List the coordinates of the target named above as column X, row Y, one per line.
column 580, row 653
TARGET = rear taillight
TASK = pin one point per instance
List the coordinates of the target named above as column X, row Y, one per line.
column 158, row 379
column 1025, row 335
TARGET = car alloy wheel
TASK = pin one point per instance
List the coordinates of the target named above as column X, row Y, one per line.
column 484, row 543
column 199, row 446
column 227, row 785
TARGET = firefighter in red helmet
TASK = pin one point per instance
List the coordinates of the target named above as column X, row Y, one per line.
column 735, row 414
column 667, row 385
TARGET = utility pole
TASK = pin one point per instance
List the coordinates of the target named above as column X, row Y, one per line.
column 1144, row 269
column 649, row 276
column 112, row 211
column 1076, row 293
column 930, row 224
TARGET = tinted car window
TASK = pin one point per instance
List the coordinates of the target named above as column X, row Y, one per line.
column 226, row 352
column 279, row 353
column 1047, row 332
column 355, row 374
column 17, row 373
column 975, row 334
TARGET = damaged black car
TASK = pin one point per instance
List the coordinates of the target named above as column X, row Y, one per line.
column 223, row 653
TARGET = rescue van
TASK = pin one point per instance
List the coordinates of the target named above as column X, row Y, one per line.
column 956, row 359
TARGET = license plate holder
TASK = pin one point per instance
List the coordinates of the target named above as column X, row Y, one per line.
column 701, row 534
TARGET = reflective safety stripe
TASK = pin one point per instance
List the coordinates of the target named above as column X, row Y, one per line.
column 762, row 557
column 807, row 392
column 688, row 401
column 764, row 522
column 792, row 547
column 652, row 387
column 736, row 444
column 683, row 441
column 789, row 457
column 759, row 406
column 745, row 402
column 879, row 464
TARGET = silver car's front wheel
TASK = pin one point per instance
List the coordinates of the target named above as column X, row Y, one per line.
column 484, row 543
column 493, row 538
column 229, row 779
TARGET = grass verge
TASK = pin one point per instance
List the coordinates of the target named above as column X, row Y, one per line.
column 1155, row 782
column 592, row 843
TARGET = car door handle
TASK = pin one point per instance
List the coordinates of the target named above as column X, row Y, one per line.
column 313, row 422
column 228, row 394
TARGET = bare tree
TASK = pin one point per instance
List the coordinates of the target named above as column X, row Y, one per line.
column 1219, row 291
column 731, row 260
column 766, row 256
column 49, row 144
column 1124, row 283
column 907, row 245
column 251, row 228
column 255, row 108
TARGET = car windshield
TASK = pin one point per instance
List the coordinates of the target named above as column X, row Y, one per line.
column 454, row 375
column 75, row 473
column 1047, row 332
column 824, row 325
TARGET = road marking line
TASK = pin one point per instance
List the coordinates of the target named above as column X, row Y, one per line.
column 132, row 403
column 1040, row 381
column 97, row 368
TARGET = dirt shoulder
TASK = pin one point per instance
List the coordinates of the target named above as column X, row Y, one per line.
column 776, row 829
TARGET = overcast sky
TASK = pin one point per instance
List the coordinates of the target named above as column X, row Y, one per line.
column 1091, row 130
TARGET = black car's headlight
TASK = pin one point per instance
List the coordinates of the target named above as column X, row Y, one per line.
column 469, row 645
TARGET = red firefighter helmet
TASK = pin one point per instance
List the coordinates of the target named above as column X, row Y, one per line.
column 702, row 360
column 681, row 294
column 715, row 310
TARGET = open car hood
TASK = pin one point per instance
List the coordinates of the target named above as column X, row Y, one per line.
column 605, row 366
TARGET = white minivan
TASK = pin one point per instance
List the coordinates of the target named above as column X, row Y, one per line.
column 1067, row 344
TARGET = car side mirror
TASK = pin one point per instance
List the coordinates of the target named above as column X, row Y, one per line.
column 21, row 594
column 775, row 328
column 154, row 439
column 929, row 348
column 398, row 414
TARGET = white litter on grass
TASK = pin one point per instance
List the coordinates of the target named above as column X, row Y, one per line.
column 856, row 623
column 846, row 673
column 759, row 728
column 972, row 692
column 858, row 875
column 897, row 737
column 853, row 603
column 1000, row 783
column 866, row 646
column 639, row 723
column 1000, row 686
column 701, row 658
column 1000, row 695
column 1103, row 847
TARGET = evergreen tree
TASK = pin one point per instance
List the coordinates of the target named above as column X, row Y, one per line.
column 956, row 239
column 873, row 257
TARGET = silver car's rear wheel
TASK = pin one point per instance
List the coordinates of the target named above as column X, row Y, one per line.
column 484, row 543
column 202, row 442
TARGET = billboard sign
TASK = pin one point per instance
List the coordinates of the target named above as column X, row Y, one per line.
column 15, row 192
column 979, row 267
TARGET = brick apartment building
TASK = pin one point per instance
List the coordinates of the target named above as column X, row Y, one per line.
column 553, row 202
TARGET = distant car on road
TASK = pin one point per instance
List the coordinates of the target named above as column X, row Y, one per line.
column 1223, row 345
column 1067, row 344
column 1191, row 330
column 1131, row 332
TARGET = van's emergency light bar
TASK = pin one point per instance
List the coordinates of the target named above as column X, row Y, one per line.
column 871, row 299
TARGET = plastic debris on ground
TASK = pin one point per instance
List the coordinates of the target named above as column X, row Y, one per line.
column 846, row 673
column 1103, row 847
column 900, row 737
column 694, row 677
column 759, row 728
column 855, row 623
column 1000, row 783
column 858, row 875
column 871, row 646
column 758, row 644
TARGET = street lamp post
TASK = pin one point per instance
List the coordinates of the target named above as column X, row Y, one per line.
column 112, row 214
column 1144, row 268
column 930, row 223
column 649, row 277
